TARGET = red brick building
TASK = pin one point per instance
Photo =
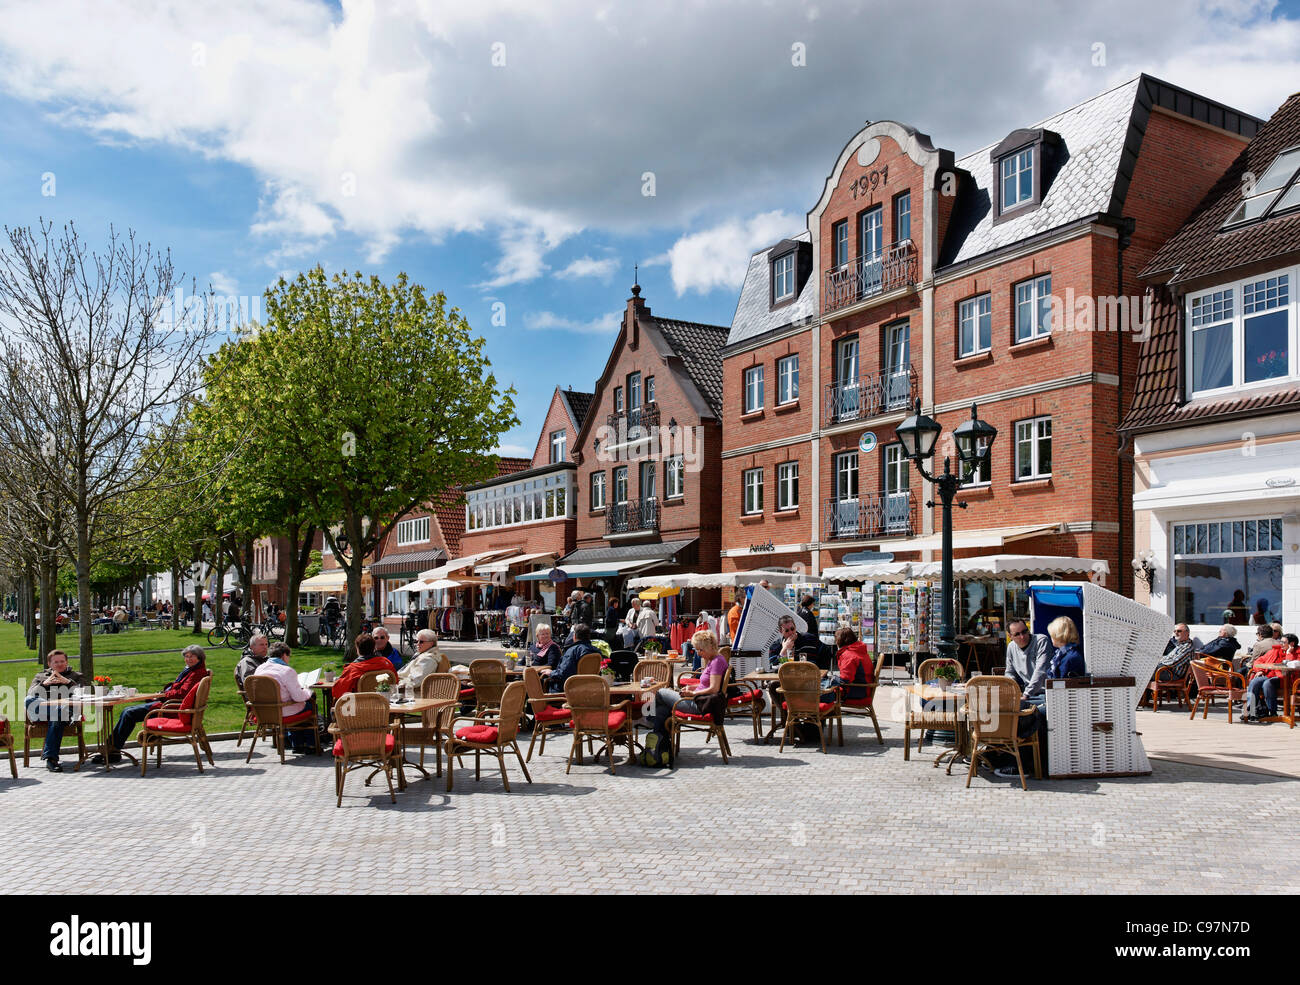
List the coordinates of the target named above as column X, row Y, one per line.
column 648, row 467
column 922, row 276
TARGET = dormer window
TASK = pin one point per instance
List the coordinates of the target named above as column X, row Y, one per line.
column 1024, row 165
column 1277, row 185
column 783, row 278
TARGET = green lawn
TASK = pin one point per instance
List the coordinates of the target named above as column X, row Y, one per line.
column 151, row 672
column 13, row 648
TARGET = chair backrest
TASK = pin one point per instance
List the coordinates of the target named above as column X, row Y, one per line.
column 512, row 710
column 193, row 716
column 992, row 707
column 588, row 699
column 444, row 663
column 800, row 682
column 443, row 687
column 589, row 664
column 368, row 681
column 488, row 675
column 240, row 688
column 660, row 670
column 927, row 671
column 263, row 697
column 533, row 683
column 362, row 720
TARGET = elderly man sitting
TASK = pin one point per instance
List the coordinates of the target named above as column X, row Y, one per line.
column 425, row 661
column 1179, row 651
column 1225, row 645
column 254, row 656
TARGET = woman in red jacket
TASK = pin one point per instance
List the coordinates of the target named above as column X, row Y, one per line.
column 856, row 670
column 365, row 662
column 186, row 681
column 1265, row 681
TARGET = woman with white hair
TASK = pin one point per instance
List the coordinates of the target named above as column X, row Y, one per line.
column 1225, row 645
column 424, row 663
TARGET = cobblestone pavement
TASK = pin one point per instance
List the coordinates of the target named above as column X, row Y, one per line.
column 860, row 819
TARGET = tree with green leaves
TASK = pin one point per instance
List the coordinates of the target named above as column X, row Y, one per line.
column 364, row 400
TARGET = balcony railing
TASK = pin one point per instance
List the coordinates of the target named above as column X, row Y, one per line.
column 632, row 516
column 866, row 276
column 878, row 515
column 634, row 424
column 860, row 397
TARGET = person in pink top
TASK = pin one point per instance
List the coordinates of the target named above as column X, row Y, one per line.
column 689, row 698
column 293, row 696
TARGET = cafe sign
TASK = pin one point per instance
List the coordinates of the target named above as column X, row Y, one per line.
column 765, row 548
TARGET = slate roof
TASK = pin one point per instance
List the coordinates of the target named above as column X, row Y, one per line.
column 1200, row 247
column 578, row 404
column 627, row 552
column 700, row 349
column 754, row 315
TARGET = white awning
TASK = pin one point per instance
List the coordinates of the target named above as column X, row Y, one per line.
column 595, row 569
column 1013, row 566
column 505, row 564
column 326, row 581
column 879, row 571
column 455, row 564
column 720, row 579
column 413, row 586
column 988, row 537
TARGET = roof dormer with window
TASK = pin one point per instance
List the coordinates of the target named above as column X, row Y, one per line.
column 1024, row 165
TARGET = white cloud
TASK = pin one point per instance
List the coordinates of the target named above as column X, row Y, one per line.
column 222, row 283
column 719, row 257
column 543, row 321
column 390, row 121
column 586, row 266
column 513, row 451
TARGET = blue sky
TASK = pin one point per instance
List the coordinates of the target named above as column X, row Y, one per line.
column 498, row 153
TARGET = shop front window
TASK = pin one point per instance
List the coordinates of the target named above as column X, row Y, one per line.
column 1228, row 571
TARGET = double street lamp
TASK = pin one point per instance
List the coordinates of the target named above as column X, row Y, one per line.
column 918, row 435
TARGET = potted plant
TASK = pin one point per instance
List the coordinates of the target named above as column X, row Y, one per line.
column 104, row 681
column 607, row 668
column 383, row 684
column 945, row 676
column 652, row 647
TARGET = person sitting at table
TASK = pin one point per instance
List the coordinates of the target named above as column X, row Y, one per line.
column 254, row 656
column 855, row 668
column 384, row 647
column 294, row 698
column 544, row 652
column 55, row 683
column 568, row 665
column 1180, row 649
column 423, row 663
column 1263, row 643
column 195, row 670
column 1266, row 680
column 691, row 700
column 364, row 662
column 1029, row 659
column 1224, row 646
column 790, row 642
column 1067, row 661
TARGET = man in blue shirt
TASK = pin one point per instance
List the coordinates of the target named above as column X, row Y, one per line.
column 569, row 662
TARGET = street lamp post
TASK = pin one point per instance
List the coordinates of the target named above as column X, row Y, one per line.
column 918, row 435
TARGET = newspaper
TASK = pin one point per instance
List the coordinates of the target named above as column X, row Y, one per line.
column 309, row 677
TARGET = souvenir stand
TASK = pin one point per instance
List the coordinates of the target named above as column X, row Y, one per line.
column 1092, row 721
column 892, row 613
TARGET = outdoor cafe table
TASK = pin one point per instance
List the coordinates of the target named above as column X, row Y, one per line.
column 107, row 703
column 415, row 706
column 765, row 679
column 1288, row 675
column 634, row 692
column 957, row 699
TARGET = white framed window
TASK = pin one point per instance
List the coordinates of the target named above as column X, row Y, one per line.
column 598, row 490
column 620, row 485
column 1242, row 334
column 871, row 232
column 978, row 475
column 976, row 324
column 753, row 483
column 1034, row 308
column 1228, row 571
column 649, row 480
column 783, row 278
column 787, row 379
column 634, row 391
column 414, row 531
column 1017, row 178
column 897, row 501
column 846, row 476
column 787, row 486
column 649, row 389
column 618, row 400
column 1269, row 189
column 902, row 216
column 840, row 241
column 753, row 389
column 1034, row 448
column 558, row 439
column 675, row 477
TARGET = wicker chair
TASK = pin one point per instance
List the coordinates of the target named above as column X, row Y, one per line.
column 993, row 716
column 800, row 683
column 185, row 724
column 487, row 677
column 1211, row 683
column 593, row 716
column 1167, row 684
column 547, row 717
column 922, row 719
column 368, row 681
column 263, row 697
column 683, row 721
column 589, row 664
column 37, row 730
column 365, row 738
column 660, row 670
column 482, row 736
column 864, row 705
column 248, row 713
column 432, row 730
column 7, row 740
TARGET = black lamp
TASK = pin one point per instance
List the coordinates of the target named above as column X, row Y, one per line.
column 974, row 438
column 919, row 434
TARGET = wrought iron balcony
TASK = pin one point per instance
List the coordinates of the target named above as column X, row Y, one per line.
column 633, row 424
column 878, row 515
column 861, row 397
column 866, row 276
column 632, row 516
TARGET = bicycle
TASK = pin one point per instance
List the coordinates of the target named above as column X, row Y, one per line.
column 235, row 636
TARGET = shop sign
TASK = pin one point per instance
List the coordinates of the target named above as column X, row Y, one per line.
column 767, row 548
column 867, row 443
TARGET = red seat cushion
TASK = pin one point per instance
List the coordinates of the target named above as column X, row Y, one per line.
column 688, row 717
column 4, row 726
column 302, row 716
column 390, row 743
column 466, row 692
column 166, row 725
column 616, row 720
column 478, row 733
column 549, row 714
column 822, row 706
column 745, row 698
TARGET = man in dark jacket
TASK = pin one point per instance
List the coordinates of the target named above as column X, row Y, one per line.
column 569, row 662
column 55, row 683
column 792, row 641
column 254, row 656
column 806, row 614
column 384, row 647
